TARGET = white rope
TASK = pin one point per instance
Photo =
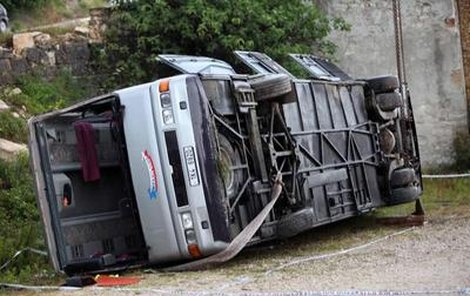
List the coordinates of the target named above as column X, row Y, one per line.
column 342, row 252
column 448, row 176
column 36, row 251
column 37, row 288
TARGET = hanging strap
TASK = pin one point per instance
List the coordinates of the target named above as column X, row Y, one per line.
column 240, row 241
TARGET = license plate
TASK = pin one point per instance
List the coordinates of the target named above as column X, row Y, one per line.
column 191, row 166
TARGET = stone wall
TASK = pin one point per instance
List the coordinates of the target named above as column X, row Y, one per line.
column 433, row 59
column 35, row 50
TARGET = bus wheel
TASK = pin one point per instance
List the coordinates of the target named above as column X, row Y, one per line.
column 229, row 164
column 402, row 177
column 383, row 84
column 404, row 194
column 295, row 223
column 388, row 101
column 270, row 86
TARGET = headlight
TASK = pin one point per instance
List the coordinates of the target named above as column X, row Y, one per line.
column 168, row 117
column 187, row 220
column 190, row 236
column 165, row 100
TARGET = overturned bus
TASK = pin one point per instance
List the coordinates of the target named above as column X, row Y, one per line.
column 173, row 170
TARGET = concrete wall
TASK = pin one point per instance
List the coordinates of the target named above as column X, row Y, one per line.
column 433, row 58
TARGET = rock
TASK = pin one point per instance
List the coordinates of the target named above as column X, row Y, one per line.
column 16, row 115
column 3, row 106
column 82, row 31
column 14, row 92
column 19, row 66
column 42, row 39
column 24, row 40
column 74, row 54
column 5, row 71
column 5, row 53
column 8, row 149
column 36, row 56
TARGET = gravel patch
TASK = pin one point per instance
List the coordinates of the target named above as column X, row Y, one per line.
column 432, row 258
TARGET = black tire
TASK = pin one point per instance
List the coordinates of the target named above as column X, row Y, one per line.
column 271, row 86
column 383, row 84
column 387, row 141
column 229, row 157
column 402, row 177
column 404, row 195
column 388, row 101
column 295, row 223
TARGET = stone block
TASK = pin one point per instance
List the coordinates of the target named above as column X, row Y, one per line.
column 5, row 65
column 9, row 150
column 24, row 40
column 36, row 56
column 77, row 55
column 5, row 72
column 6, row 53
column 42, row 39
column 19, row 66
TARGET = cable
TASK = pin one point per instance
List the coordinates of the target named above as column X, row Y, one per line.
column 37, row 288
column 36, row 251
column 342, row 252
column 446, row 176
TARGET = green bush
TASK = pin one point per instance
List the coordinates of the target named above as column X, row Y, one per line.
column 40, row 95
column 12, row 128
column 19, row 216
column 140, row 30
column 20, row 221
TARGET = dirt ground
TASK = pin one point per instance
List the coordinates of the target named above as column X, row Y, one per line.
column 432, row 259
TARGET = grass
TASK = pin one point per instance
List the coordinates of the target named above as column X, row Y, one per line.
column 12, row 128
column 19, row 216
column 20, row 224
column 39, row 95
column 442, row 198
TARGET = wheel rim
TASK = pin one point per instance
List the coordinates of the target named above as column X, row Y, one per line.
column 228, row 174
column 3, row 26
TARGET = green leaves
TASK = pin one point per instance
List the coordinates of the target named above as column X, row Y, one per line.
column 141, row 29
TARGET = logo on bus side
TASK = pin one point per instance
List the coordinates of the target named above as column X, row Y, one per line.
column 153, row 189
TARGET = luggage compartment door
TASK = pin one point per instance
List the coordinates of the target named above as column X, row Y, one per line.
column 261, row 63
column 196, row 65
column 319, row 68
